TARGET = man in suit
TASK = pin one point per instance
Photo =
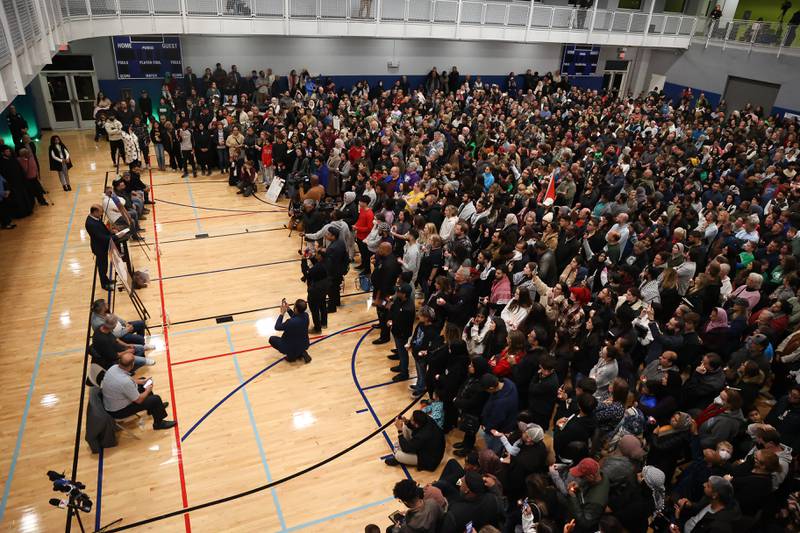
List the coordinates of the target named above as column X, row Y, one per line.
column 293, row 342
column 384, row 278
column 99, row 237
column 337, row 261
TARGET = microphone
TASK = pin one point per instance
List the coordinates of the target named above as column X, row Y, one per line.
column 55, row 502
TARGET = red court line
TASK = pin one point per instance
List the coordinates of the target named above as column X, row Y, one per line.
column 267, row 346
column 165, row 329
column 206, row 218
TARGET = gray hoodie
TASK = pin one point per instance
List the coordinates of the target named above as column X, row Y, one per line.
column 724, row 426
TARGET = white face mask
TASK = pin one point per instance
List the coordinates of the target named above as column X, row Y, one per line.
column 724, row 455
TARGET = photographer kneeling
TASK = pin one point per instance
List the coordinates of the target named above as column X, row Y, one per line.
column 293, row 342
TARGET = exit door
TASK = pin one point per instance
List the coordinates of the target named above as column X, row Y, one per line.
column 70, row 99
column 614, row 81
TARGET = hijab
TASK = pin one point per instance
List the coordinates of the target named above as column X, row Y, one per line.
column 720, row 322
column 349, row 197
column 677, row 259
column 655, row 478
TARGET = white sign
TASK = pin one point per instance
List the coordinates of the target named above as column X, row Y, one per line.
column 119, row 266
column 275, row 189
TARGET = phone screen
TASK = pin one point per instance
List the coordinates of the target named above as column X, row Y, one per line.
column 470, row 528
column 148, row 383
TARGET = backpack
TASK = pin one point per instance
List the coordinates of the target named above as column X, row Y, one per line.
column 364, row 284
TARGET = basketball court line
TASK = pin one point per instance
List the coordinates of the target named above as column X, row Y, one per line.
column 194, row 207
column 256, row 434
column 37, row 363
column 259, row 373
column 334, row 516
column 367, row 402
column 229, row 269
column 165, row 331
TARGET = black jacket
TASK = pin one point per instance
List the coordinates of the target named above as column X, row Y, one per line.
column 483, row 509
column 463, row 306
column 577, row 429
column 336, row 258
column 100, row 426
column 542, row 398
column 427, row 442
column 385, row 275
column 530, row 460
column 402, row 316
column 99, row 236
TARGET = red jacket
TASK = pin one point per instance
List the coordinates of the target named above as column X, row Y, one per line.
column 266, row 155
column 364, row 223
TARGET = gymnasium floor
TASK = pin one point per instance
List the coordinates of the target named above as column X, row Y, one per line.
column 245, row 418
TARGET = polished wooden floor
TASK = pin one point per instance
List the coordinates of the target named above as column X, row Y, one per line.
column 229, row 437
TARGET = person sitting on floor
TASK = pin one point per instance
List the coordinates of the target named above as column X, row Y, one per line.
column 420, row 442
column 294, row 341
column 124, row 395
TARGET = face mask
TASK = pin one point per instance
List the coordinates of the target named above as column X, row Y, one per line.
column 718, row 401
column 724, row 455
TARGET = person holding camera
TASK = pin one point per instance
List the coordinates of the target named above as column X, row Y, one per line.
column 317, row 279
column 293, row 342
column 124, row 395
column 337, row 262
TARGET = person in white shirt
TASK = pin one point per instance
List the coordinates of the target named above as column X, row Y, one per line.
column 448, row 224
column 748, row 233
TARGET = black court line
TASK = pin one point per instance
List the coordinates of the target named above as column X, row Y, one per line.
column 245, row 232
column 193, row 182
column 214, row 317
column 243, row 267
column 280, row 481
column 204, row 208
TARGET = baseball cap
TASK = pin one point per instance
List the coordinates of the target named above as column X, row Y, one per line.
column 489, row 381
column 587, row 467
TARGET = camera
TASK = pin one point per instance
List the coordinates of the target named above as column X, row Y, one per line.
column 78, row 499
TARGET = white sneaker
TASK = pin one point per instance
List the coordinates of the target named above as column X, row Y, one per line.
column 149, row 347
column 149, row 362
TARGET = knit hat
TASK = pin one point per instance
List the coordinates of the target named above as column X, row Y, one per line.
column 349, row 197
column 722, row 487
column 534, row 432
column 655, row 479
column 384, row 226
column 631, row 447
column 587, row 467
column 475, row 482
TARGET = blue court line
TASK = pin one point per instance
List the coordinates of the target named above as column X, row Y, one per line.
column 194, row 206
column 339, row 514
column 99, row 498
column 388, row 383
column 362, row 411
column 39, row 354
column 254, row 376
column 63, row 352
column 256, row 434
column 366, row 400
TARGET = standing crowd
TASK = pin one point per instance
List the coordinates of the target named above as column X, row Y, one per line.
column 595, row 294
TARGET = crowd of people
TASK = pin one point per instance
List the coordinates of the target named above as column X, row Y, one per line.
column 20, row 171
column 596, row 294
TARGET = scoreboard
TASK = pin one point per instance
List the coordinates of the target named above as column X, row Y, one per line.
column 147, row 56
column 580, row 59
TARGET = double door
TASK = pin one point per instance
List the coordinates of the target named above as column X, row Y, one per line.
column 70, row 99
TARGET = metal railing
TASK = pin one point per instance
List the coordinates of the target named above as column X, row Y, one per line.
column 752, row 34
column 522, row 14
